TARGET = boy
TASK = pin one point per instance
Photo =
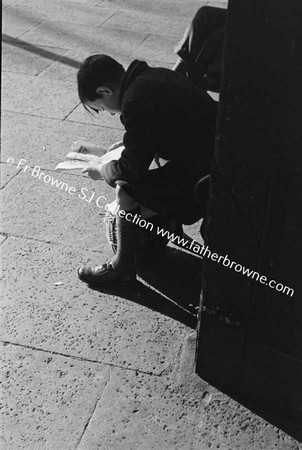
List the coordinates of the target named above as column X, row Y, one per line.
column 165, row 115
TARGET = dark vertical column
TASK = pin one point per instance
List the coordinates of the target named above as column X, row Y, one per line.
column 249, row 334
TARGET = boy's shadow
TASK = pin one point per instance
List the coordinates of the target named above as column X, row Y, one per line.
column 171, row 286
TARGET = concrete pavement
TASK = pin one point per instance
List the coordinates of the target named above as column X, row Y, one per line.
column 93, row 369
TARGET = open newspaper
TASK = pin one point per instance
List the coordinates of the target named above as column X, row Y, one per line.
column 83, row 152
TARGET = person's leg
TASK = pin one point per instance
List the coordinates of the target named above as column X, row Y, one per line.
column 122, row 267
column 191, row 60
column 151, row 246
column 167, row 194
column 127, row 234
column 205, row 21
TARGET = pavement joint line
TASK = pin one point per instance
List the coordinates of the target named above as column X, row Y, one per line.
column 108, row 18
column 80, row 358
column 38, row 49
column 59, row 120
column 29, row 29
column 51, row 77
column 17, row 236
column 120, row 8
column 43, row 241
column 91, row 124
column 14, row 176
column 150, row 34
column 139, row 44
column 75, row 107
column 21, row 43
column 30, row 114
column 166, row 35
column 14, row 236
column 51, row 62
column 95, row 406
column 49, row 22
column 2, row 234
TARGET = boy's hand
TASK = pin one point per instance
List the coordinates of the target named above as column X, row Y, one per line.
column 94, row 170
column 78, row 146
column 82, row 146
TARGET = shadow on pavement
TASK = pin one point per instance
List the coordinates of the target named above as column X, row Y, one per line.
column 170, row 287
column 40, row 51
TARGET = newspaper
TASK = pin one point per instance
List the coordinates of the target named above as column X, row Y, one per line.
column 83, row 152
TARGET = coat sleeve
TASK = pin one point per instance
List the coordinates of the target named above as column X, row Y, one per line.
column 139, row 152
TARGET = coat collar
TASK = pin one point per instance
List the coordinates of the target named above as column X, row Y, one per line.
column 135, row 69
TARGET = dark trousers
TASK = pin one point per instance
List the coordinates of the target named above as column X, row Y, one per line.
column 201, row 47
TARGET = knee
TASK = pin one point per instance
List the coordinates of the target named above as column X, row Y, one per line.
column 202, row 15
column 121, row 195
column 123, row 199
column 209, row 18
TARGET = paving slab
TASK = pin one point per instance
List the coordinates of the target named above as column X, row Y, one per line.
column 157, row 48
column 143, row 22
column 47, row 399
column 27, row 60
column 56, row 214
column 119, row 327
column 32, row 95
column 73, row 36
column 59, row 11
column 45, row 142
column 179, row 411
column 139, row 412
column 16, row 25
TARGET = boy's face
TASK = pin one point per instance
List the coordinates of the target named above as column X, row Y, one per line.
column 109, row 100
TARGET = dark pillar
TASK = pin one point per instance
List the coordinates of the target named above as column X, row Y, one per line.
column 250, row 335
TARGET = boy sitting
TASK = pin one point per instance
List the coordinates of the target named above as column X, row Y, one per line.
column 165, row 115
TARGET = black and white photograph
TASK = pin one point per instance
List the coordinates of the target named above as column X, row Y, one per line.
column 151, row 225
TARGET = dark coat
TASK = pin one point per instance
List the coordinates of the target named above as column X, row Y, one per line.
column 164, row 115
